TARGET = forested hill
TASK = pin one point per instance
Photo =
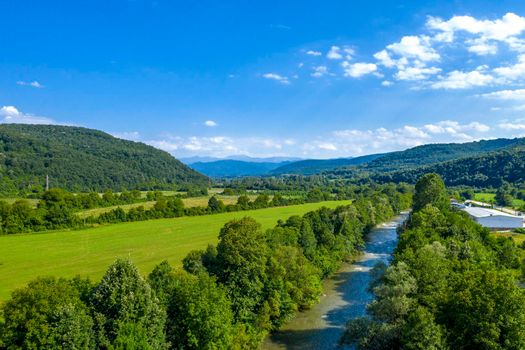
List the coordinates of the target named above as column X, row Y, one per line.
column 80, row 159
column 437, row 153
column 487, row 170
column 315, row 166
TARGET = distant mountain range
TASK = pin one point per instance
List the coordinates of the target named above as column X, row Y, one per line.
column 235, row 168
column 393, row 165
column 315, row 166
column 198, row 159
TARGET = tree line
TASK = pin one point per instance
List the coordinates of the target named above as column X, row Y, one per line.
column 57, row 208
column 451, row 285
column 226, row 296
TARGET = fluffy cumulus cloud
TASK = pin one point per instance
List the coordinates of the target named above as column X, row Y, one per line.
column 508, row 95
column 277, row 77
column 512, row 72
column 487, row 33
column 512, row 126
column 221, row 146
column 357, row 70
column 412, row 58
column 210, row 123
column 463, row 80
column 447, row 54
column 357, row 142
column 11, row 114
column 338, row 53
column 416, row 73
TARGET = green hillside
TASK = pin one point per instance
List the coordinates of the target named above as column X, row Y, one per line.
column 480, row 163
column 80, row 159
column 436, row 153
column 486, row 170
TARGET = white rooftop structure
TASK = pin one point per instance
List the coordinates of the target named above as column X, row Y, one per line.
column 494, row 219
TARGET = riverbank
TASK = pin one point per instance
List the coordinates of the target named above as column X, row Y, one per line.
column 345, row 296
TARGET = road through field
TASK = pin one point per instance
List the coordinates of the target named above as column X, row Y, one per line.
column 89, row 252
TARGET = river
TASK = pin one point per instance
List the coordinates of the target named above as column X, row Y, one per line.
column 346, row 297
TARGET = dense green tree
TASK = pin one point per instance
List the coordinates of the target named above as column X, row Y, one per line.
column 199, row 314
column 503, row 198
column 421, row 332
column 215, row 205
column 124, row 296
column 430, row 189
column 241, row 260
column 47, row 314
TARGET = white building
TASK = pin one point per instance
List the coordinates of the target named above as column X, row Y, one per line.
column 494, row 219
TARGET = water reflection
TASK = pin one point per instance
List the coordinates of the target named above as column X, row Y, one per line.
column 346, row 297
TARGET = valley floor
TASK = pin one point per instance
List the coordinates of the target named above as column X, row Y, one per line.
column 89, row 252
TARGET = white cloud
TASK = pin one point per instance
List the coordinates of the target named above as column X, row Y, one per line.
column 210, row 123
column 279, row 78
column 384, row 58
column 334, row 53
column 34, row 84
column 221, row 146
column 319, row 71
column 463, row 80
column 512, row 95
column 487, row 31
column 514, row 72
column 359, row 69
column 10, row 114
column 453, row 127
column 356, row 141
column 511, row 126
column 414, row 47
column 327, row 146
column 386, row 83
column 416, row 73
column 482, row 47
column 313, row 53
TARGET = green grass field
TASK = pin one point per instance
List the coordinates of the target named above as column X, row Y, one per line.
column 188, row 203
column 489, row 198
column 89, row 252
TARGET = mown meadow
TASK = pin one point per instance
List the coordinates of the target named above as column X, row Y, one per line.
column 88, row 252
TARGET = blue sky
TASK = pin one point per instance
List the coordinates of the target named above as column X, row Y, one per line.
column 268, row 78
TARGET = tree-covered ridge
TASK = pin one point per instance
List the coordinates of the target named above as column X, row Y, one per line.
column 80, row 159
column 487, row 170
column 451, row 285
column 437, row 153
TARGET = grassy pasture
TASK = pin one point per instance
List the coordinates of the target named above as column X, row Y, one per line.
column 489, row 198
column 89, row 252
column 188, row 203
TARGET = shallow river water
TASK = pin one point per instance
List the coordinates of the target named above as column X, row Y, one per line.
column 345, row 297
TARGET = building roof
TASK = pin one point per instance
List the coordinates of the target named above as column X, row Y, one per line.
column 484, row 212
